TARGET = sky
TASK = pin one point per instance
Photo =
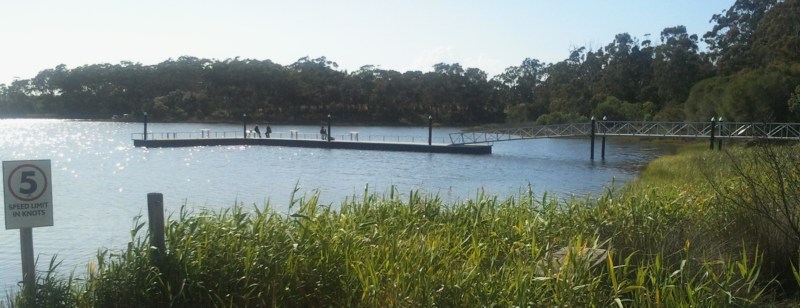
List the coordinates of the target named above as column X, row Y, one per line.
column 401, row 35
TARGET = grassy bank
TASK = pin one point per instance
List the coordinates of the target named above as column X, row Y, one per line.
column 681, row 235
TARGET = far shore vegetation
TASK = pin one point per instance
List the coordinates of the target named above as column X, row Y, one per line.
column 746, row 68
column 699, row 228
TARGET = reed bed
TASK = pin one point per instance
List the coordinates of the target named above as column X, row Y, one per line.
column 658, row 242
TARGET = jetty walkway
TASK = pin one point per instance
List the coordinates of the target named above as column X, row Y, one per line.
column 711, row 129
column 349, row 141
column 479, row 141
column 714, row 130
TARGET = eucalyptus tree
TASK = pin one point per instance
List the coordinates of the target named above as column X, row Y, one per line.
column 627, row 69
column 89, row 91
column 732, row 37
column 273, row 84
column 184, row 73
column 476, row 104
column 358, row 89
column 315, row 85
column 777, row 37
column 566, row 87
column 757, row 66
column 45, row 90
column 134, row 88
column 387, row 98
column 443, row 89
column 14, row 100
column 3, row 100
column 518, row 89
column 677, row 66
column 413, row 86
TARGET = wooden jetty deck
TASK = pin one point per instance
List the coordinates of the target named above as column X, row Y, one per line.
column 165, row 140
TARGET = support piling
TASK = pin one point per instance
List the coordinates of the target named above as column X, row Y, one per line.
column 155, row 217
column 719, row 139
column 145, row 126
column 591, row 134
column 430, row 130
column 713, row 129
column 603, row 148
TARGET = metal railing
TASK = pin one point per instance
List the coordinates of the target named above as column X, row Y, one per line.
column 187, row 135
column 744, row 130
column 739, row 130
column 760, row 130
column 292, row 134
column 653, row 129
column 519, row 133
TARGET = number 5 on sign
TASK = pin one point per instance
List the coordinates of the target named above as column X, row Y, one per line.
column 28, row 194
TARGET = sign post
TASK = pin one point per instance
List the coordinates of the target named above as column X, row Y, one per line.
column 28, row 196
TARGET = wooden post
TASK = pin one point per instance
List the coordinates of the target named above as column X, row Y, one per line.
column 244, row 125
column 591, row 134
column 145, row 126
column 430, row 130
column 603, row 146
column 719, row 142
column 155, row 217
column 713, row 128
column 28, row 264
column 329, row 128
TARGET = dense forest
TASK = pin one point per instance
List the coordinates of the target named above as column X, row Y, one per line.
column 750, row 71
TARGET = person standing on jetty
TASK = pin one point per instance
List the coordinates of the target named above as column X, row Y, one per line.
column 268, row 131
column 323, row 133
column 258, row 131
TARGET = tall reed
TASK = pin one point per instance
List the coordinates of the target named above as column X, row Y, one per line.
column 413, row 250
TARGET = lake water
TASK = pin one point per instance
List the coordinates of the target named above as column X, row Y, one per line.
column 100, row 181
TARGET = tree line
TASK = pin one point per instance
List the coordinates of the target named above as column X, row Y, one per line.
column 749, row 72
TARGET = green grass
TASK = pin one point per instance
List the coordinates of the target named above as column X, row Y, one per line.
column 664, row 240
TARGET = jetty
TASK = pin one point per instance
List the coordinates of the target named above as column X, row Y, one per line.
column 479, row 141
column 348, row 141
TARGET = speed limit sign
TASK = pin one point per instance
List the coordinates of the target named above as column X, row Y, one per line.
column 28, row 192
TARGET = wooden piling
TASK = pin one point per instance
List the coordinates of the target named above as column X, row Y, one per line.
column 591, row 134
column 603, row 148
column 155, row 216
column 713, row 128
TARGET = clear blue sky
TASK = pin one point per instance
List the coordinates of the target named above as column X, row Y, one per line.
column 399, row 35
